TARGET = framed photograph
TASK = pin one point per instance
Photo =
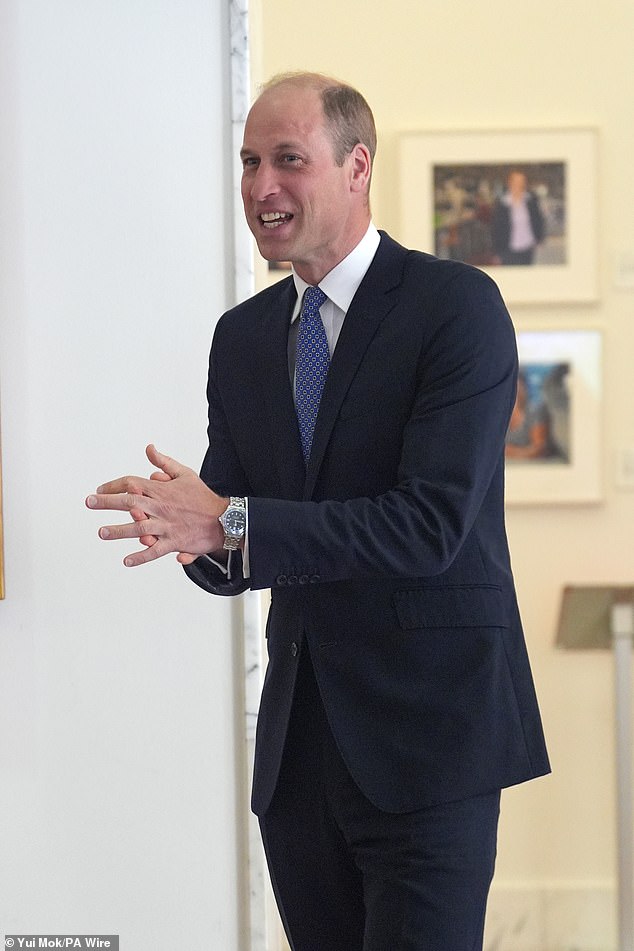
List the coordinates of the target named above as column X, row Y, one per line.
column 553, row 445
column 519, row 205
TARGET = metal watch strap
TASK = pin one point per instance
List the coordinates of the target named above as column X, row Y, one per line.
column 232, row 542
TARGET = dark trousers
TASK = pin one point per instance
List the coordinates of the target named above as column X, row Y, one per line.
column 350, row 877
column 518, row 257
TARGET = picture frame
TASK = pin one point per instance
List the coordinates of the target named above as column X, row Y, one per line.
column 459, row 200
column 560, row 389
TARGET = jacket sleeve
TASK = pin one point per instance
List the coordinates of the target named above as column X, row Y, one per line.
column 210, row 578
column 221, row 471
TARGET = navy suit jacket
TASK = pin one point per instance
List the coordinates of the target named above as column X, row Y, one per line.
column 387, row 556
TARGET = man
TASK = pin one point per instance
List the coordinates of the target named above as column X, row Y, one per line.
column 398, row 698
column 518, row 223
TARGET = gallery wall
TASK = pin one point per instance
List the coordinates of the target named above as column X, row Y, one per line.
column 118, row 790
column 516, row 66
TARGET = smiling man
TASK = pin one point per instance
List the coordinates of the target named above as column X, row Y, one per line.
column 357, row 418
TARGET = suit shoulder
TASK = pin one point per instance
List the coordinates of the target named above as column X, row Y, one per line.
column 430, row 272
column 456, row 299
column 451, row 288
column 440, row 272
column 270, row 299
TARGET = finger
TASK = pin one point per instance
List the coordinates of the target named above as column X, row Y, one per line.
column 148, row 540
column 129, row 530
column 160, row 477
column 144, row 556
column 184, row 558
column 122, row 502
column 169, row 466
column 139, row 515
column 133, row 484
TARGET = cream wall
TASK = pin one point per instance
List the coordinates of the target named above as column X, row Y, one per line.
column 504, row 65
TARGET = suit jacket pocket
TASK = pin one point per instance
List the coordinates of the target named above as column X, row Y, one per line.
column 451, row 606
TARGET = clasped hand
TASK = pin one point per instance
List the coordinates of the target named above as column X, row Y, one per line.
column 173, row 510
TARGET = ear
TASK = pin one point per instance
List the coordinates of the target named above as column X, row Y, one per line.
column 361, row 165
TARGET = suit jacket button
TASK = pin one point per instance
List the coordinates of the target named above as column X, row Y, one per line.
column 292, row 579
column 303, row 579
column 294, row 649
column 281, row 579
column 315, row 578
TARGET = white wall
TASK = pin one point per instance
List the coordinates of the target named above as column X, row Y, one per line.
column 118, row 769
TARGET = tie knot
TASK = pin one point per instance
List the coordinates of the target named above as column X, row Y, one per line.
column 313, row 299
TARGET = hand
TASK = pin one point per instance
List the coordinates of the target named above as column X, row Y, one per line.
column 173, row 510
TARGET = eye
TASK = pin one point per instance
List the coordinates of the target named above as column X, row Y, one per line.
column 249, row 161
column 290, row 159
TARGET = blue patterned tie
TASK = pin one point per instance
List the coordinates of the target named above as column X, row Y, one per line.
column 311, row 367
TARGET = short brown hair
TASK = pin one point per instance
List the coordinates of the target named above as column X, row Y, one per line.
column 348, row 116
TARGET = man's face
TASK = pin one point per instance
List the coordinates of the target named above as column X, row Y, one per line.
column 300, row 205
column 517, row 183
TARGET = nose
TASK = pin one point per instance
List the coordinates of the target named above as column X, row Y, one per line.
column 263, row 182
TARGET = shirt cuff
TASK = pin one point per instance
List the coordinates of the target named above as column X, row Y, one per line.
column 224, row 567
column 246, row 569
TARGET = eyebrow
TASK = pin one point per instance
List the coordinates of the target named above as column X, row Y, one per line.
column 281, row 147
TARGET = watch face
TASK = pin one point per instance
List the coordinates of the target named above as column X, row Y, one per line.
column 234, row 522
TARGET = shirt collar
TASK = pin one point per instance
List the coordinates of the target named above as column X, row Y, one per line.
column 507, row 199
column 341, row 284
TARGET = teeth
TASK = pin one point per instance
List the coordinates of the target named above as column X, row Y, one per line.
column 273, row 219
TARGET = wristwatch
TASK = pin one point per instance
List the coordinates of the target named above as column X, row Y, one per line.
column 234, row 523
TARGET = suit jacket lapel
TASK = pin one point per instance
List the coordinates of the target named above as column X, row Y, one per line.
column 276, row 387
column 376, row 296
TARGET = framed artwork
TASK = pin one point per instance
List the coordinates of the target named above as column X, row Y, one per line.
column 519, row 205
column 553, row 445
